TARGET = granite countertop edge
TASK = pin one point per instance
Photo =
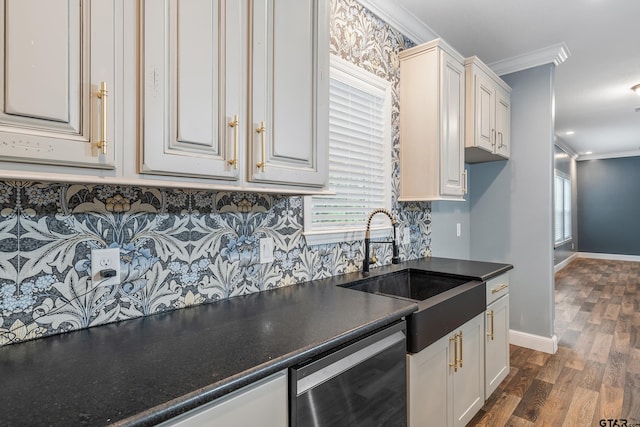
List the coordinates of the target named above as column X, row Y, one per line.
column 476, row 270
column 304, row 304
column 204, row 395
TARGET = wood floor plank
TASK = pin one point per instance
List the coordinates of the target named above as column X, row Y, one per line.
column 538, row 358
column 610, row 403
column 522, row 380
column 616, row 371
column 533, row 400
column 579, row 321
column 581, row 409
column 612, row 312
column 596, row 372
column 506, row 404
column 592, row 374
column 555, row 409
column 601, row 347
column 518, row 422
column 568, row 379
column 633, row 365
column 621, row 342
column 550, row 370
column 631, row 399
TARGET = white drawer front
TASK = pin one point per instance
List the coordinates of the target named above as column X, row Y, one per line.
column 497, row 287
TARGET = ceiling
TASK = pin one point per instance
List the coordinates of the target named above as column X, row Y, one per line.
column 593, row 95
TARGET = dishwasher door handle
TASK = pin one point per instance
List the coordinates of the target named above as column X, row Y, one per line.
column 347, row 362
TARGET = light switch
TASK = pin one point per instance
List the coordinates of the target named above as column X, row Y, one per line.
column 458, row 230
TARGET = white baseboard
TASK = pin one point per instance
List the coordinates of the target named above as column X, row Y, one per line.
column 614, row 257
column 564, row 263
column 534, row 342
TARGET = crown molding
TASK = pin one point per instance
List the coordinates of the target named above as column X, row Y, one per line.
column 565, row 147
column 612, row 155
column 401, row 19
column 555, row 54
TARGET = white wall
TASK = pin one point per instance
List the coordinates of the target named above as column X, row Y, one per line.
column 511, row 203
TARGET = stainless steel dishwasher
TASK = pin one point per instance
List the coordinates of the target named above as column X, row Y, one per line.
column 361, row 384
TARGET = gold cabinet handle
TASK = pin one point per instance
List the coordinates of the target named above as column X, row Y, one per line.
column 234, row 125
column 491, row 315
column 499, row 288
column 454, row 365
column 460, row 364
column 464, row 182
column 262, row 130
column 102, row 94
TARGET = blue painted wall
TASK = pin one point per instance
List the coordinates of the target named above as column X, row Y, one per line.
column 511, row 203
column 609, row 206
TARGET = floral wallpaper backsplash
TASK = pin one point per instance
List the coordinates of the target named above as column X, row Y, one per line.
column 177, row 247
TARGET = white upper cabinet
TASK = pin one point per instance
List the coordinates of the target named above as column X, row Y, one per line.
column 288, row 123
column 432, row 97
column 488, row 114
column 236, row 92
column 192, row 88
column 56, row 57
column 503, row 123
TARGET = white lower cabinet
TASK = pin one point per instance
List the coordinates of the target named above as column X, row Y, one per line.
column 497, row 333
column 446, row 379
column 263, row 403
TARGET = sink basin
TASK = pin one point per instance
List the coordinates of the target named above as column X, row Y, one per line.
column 411, row 284
column 445, row 302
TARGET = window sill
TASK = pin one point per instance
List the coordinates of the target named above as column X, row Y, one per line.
column 346, row 235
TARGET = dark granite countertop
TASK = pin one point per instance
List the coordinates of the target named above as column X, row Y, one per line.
column 473, row 270
column 143, row 371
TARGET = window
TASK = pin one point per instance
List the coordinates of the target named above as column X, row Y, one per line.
column 562, row 216
column 359, row 157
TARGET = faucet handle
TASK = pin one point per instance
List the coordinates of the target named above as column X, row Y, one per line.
column 374, row 259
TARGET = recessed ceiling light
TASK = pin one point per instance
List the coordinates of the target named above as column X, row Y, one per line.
column 588, row 152
column 636, row 88
column 569, row 132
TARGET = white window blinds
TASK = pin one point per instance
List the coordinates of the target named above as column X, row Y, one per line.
column 359, row 153
column 562, row 217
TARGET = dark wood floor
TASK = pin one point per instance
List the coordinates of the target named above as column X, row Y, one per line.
column 596, row 372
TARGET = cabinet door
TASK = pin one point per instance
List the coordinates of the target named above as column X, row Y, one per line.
column 452, row 131
column 289, row 88
column 55, row 55
column 429, row 390
column 503, row 124
column 261, row 404
column 468, row 381
column 485, row 120
column 192, row 87
column 496, row 344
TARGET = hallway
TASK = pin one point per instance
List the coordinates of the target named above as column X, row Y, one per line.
column 595, row 374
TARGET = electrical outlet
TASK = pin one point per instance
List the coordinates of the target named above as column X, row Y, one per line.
column 107, row 260
column 266, row 250
column 406, row 236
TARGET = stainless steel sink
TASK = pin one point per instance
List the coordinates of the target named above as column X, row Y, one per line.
column 445, row 302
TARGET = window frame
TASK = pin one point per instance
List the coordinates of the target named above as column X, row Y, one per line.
column 364, row 80
column 567, row 232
